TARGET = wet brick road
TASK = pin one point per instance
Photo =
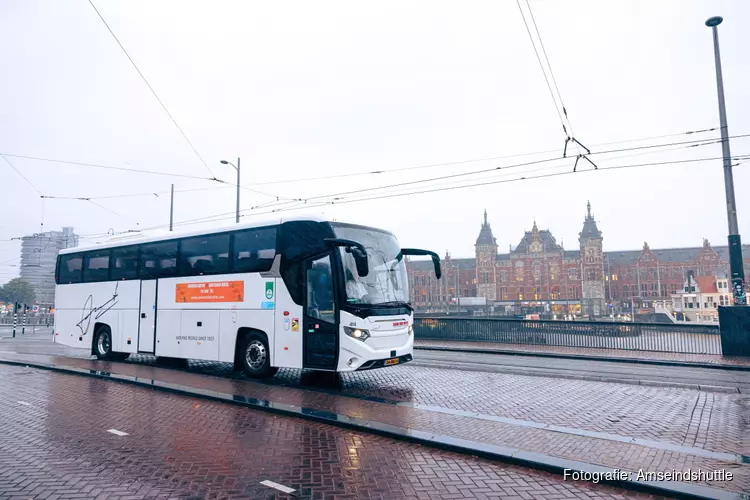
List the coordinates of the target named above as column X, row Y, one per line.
column 678, row 427
column 685, row 417
column 55, row 444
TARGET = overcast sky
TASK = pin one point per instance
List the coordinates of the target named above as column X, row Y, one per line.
column 319, row 89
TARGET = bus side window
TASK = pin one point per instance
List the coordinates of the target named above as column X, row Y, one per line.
column 320, row 291
column 254, row 250
column 71, row 269
column 97, row 266
column 159, row 260
column 205, row 255
column 124, row 263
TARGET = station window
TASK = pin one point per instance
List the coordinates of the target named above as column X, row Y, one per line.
column 205, row 255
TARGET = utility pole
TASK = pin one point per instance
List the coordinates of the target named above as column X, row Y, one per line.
column 171, row 209
column 735, row 245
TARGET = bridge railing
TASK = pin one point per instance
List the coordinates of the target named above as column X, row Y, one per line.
column 693, row 339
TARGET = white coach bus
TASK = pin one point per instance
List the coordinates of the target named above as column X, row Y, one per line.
column 294, row 294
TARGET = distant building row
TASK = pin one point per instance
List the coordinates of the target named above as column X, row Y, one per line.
column 540, row 276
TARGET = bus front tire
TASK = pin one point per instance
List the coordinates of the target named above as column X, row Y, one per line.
column 255, row 357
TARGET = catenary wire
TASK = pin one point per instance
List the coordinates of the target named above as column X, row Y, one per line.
column 152, row 89
column 21, row 174
column 224, row 216
column 541, row 66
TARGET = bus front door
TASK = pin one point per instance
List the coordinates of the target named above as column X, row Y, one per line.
column 320, row 326
column 147, row 317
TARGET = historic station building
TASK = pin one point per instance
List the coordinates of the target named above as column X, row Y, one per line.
column 539, row 276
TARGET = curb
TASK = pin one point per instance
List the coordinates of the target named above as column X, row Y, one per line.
column 587, row 378
column 588, row 357
column 558, row 466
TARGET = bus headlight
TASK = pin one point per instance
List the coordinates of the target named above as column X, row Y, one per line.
column 357, row 333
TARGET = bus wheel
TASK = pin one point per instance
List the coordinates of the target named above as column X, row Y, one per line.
column 103, row 343
column 255, row 357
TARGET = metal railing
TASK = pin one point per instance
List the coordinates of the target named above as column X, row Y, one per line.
column 693, row 339
column 31, row 319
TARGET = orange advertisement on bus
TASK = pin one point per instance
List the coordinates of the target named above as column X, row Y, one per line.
column 219, row 291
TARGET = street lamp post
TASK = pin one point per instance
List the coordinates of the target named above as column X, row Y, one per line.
column 735, row 245
column 236, row 167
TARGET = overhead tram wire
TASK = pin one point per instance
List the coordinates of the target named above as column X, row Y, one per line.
column 21, row 174
column 139, row 171
column 507, row 167
column 213, row 177
column 111, row 167
column 41, row 221
column 549, row 65
column 569, row 137
column 220, row 217
column 229, row 215
column 476, row 160
column 331, row 198
column 696, row 142
column 226, row 216
column 689, row 132
column 539, row 59
column 333, row 176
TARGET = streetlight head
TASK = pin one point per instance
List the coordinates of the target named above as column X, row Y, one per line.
column 714, row 21
column 224, row 162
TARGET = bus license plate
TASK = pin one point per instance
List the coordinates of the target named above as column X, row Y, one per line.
column 392, row 361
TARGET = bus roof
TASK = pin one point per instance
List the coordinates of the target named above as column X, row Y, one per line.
column 139, row 237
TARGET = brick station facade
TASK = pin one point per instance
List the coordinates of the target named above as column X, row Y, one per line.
column 540, row 276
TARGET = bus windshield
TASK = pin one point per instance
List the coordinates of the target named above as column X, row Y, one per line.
column 386, row 282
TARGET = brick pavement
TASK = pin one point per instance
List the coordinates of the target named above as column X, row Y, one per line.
column 654, row 413
column 620, row 453
column 714, row 359
column 55, row 445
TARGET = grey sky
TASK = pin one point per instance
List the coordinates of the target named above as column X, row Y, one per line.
column 307, row 89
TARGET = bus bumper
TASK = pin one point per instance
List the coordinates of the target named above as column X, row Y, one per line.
column 392, row 350
column 381, row 363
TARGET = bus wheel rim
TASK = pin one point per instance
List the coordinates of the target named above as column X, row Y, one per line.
column 255, row 355
column 103, row 343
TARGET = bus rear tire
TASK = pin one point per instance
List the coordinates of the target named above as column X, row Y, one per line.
column 255, row 357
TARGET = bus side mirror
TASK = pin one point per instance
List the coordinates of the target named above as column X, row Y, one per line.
column 360, row 259
column 435, row 258
column 356, row 249
column 436, row 263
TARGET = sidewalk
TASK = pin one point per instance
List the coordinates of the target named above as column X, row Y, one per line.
column 707, row 437
column 671, row 358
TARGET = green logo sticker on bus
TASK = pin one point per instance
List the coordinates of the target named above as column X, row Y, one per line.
column 269, row 289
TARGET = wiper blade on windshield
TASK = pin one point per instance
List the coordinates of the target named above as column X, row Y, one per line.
column 394, row 303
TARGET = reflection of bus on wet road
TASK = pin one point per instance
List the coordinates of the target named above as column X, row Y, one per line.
column 296, row 294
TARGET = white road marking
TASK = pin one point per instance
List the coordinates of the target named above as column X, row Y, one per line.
column 23, row 403
column 277, row 486
column 117, row 433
